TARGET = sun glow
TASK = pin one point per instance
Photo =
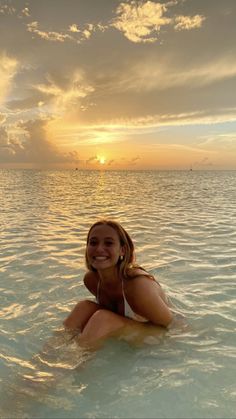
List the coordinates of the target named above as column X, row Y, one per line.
column 102, row 160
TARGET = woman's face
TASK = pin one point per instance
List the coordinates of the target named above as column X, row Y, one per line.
column 103, row 248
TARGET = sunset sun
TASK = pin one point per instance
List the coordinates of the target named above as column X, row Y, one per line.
column 102, row 160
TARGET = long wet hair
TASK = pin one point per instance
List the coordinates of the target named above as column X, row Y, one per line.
column 126, row 264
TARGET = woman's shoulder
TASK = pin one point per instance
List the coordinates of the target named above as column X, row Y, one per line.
column 91, row 281
column 139, row 277
column 141, row 283
column 138, row 271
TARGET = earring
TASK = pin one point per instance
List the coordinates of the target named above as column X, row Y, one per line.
column 121, row 257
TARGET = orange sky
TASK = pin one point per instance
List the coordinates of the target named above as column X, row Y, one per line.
column 118, row 85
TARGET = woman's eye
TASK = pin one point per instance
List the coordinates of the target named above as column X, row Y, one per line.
column 108, row 243
column 92, row 243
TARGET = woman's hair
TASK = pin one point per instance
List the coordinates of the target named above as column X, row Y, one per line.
column 125, row 241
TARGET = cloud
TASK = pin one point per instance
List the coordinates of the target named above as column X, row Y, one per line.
column 74, row 28
column 72, row 156
column 37, row 147
column 50, row 35
column 26, row 12
column 2, row 118
column 203, row 117
column 188, row 22
column 3, row 138
column 9, row 147
column 27, row 103
column 139, row 21
column 6, row 9
column 67, row 93
column 223, row 142
column 136, row 126
column 142, row 22
column 110, row 162
column 91, row 159
column 122, row 162
column 204, row 162
column 90, row 135
column 86, row 33
column 152, row 74
column 28, row 143
column 73, row 33
column 8, row 69
column 135, row 159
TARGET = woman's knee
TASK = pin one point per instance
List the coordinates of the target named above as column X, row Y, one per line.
column 101, row 324
column 86, row 305
column 80, row 314
column 105, row 317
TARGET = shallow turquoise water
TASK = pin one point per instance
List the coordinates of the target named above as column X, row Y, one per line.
column 184, row 228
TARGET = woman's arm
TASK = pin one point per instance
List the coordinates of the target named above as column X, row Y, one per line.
column 145, row 297
column 91, row 282
column 83, row 310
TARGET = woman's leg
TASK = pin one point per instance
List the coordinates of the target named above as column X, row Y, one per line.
column 80, row 315
column 102, row 323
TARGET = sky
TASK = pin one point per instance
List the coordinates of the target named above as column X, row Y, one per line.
column 117, row 85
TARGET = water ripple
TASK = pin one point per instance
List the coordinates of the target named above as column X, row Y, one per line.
column 184, row 228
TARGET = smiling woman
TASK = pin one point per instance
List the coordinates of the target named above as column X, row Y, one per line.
column 125, row 294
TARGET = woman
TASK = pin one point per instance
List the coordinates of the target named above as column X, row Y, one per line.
column 125, row 293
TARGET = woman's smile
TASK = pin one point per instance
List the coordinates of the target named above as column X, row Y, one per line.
column 100, row 258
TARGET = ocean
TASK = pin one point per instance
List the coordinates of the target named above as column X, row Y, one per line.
column 183, row 224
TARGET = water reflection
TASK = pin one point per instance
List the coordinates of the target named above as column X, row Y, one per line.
column 184, row 228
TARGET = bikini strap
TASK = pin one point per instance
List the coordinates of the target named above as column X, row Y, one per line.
column 123, row 291
column 98, row 289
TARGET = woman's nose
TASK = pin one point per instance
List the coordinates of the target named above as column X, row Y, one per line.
column 100, row 246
